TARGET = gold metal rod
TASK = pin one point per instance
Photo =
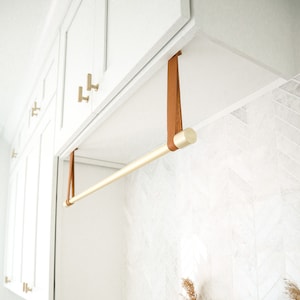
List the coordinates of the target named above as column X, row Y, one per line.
column 181, row 140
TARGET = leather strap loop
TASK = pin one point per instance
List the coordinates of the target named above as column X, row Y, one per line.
column 71, row 182
column 174, row 117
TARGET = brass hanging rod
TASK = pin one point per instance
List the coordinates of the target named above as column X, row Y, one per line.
column 177, row 138
column 181, row 140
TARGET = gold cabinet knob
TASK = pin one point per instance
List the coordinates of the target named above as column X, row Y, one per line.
column 14, row 154
column 91, row 86
column 35, row 109
column 7, row 279
column 26, row 288
column 80, row 97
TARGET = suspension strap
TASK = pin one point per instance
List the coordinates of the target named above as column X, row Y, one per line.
column 71, row 182
column 174, row 117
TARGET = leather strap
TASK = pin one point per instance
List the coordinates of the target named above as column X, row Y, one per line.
column 174, row 117
column 71, row 182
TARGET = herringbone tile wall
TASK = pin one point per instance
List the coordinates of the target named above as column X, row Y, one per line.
column 224, row 212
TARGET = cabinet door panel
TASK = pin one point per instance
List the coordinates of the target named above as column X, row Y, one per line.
column 138, row 29
column 10, row 228
column 19, row 223
column 43, row 232
column 79, row 42
column 30, row 214
column 83, row 52
column 49, row 81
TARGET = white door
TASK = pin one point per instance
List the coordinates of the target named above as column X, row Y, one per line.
column 30, row 213
column 19, row 222
column 44, row 213
column 83, row 38
column 14, row 228
column 10, row 228
column 137, row 31
column 38, row 211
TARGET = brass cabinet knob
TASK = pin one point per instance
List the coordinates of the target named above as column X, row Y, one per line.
column 7, row 279
column 14, row 154
column 26, row 288
column 80, row 97
column 35, row 109
column 91, row 86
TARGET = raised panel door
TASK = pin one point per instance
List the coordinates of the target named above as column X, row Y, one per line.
column 44, row 209
column 137, row 31
column 83, row 43
column 30, row 213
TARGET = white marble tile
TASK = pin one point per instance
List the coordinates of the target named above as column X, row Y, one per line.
column 292, row 87
column 288, row 183
column 270, row 275
column 225, row 211
column 288, row 147
column 290, row 101
column 287, row 130
column 287, row 115
column 297, row 78
column 244, row 279
column 289, row 165
column 241, row 114
column 293, row 266
column 268, row 222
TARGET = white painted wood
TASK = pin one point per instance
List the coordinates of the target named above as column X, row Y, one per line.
column 43, row 221
column 29, row 249
column 44, row 90
column 14, row 229
column 19, row 222
column 212, row 78
column 82, row 52
column 137, row 31
column 10, row 227
column 30, row 213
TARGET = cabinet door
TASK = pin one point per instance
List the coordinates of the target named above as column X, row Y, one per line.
column 137, row 31
column 37, row 212
column 10, row 225
column 30, row 213
column 83, row 37
column 19, row 222
column 44, row 208
column 14, row 229
column 44, row 88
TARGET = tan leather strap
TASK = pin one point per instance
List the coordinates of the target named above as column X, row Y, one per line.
column 71, row 182
column 174, row 118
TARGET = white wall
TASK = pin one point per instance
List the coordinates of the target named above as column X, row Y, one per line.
column 90, row 245
column 224, row 212
column 297, row 33
column 4, row 171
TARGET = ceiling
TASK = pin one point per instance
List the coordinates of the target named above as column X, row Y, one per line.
column 23, row 27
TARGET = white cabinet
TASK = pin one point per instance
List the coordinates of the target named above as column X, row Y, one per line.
column 113, row 40
column 44, row 89
column 82, row 53
column 43, row 93
column 14, row 228
column 29, row 217
column 137, row 31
